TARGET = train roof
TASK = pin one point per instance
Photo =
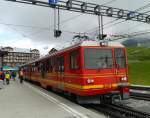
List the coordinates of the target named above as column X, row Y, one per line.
column 84, row 43
column 99, row 43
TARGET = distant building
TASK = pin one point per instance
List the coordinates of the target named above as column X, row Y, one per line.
column 18, row 56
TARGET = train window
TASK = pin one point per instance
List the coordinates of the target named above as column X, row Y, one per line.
column 54, row 64
column 42, row 66
column 61, row 64
column 36, row 66
column 98, row 58
column 120, row 58
column 74, row 57
column 47, row 66
column 50, row 65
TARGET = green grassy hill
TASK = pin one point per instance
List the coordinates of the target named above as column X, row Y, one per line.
column 139, row 65
column 139, row 54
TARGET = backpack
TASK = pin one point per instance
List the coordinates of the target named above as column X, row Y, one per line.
column 7, row 76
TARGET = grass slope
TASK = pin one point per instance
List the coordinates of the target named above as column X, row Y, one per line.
column 139, row 65
column 139, row 53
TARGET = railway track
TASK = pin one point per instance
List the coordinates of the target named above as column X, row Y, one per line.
column 140, row 96
column 135, row 87
column 119, row 111
column 141, row 93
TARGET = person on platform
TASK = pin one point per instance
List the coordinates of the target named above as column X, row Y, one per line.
column 7, row 77
column 21, row 74
column 3, row 77
column 13, row 75
column 1, row 80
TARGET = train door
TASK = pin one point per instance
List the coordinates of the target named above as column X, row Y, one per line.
column 120, row 58
column 61, row 72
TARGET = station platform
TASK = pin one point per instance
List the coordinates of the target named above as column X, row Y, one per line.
column 30, row 101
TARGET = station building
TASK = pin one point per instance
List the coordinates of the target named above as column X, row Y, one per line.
column 18, row 56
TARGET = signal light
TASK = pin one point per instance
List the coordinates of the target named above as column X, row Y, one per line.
column 101, row 36
column 57, row 33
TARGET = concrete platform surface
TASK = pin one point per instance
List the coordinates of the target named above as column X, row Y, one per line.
column 29, row 101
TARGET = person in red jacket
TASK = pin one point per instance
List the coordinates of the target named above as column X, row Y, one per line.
column 2, row 76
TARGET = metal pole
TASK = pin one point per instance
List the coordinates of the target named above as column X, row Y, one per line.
column 102, row 26
column 54, row 19
column 58, row 19
column 99, row 27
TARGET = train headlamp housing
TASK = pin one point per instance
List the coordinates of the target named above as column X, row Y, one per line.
column 124, row 79
column 103, row 43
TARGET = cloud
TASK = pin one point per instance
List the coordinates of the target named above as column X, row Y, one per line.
column 41, row 19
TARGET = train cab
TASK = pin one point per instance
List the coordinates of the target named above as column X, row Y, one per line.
column 104, row 71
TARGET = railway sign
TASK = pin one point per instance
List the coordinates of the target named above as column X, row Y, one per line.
column 132, row 14
column 53, row 1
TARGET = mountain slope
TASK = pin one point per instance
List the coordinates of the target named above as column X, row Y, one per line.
column 139, row 65
column 139, row 53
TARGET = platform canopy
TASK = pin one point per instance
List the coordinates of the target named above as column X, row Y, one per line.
column 10, row 68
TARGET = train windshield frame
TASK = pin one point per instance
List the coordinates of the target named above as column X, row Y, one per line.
column 120, row 57
column 97, row 58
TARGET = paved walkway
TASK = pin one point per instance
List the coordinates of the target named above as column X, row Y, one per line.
column 28, row 101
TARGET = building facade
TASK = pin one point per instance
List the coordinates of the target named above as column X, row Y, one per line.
column 18, row 56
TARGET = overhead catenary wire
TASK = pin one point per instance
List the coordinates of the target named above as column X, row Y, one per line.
column 139, row 9
column 137, row 32
column 72, row 18
column 111, row 0
column 134, row 35
column 47, row 28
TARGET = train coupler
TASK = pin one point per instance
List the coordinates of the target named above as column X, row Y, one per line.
column 112, row 97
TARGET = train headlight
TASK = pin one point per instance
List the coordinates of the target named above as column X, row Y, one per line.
column 89, row 81
column 124, row 79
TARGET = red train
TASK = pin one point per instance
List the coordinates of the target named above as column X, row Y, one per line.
column 90, row 71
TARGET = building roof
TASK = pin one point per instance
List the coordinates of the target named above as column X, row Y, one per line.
column 21, row 50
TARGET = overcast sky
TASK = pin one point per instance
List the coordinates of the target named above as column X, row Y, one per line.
column 40, row 35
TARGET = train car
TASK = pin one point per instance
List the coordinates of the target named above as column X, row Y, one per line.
column 91, row 72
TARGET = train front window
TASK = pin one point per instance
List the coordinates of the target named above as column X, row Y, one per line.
column 98, row 58
column 120, row 58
